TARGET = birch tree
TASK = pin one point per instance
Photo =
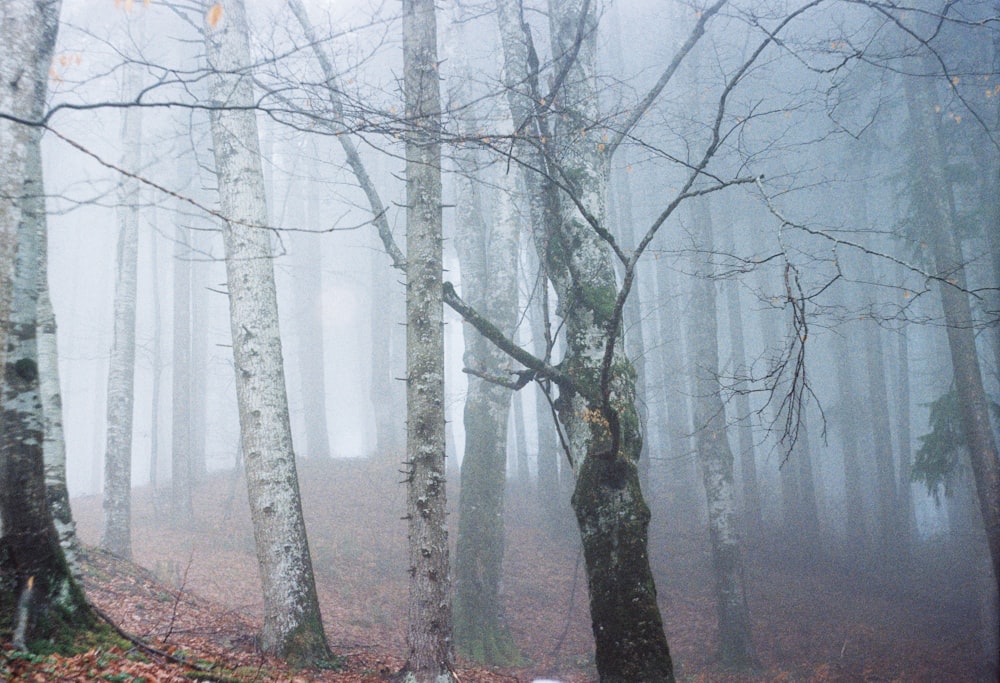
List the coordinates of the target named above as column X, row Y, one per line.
column 292, row 624
column 40, row 598
column 116, row 535
column 716, row 457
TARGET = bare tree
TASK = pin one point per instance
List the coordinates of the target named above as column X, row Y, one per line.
column 41, row 599
column 292, row 624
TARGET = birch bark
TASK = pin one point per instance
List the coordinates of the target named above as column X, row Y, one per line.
column 116, row 534
column 292, row 625
column 40, row 597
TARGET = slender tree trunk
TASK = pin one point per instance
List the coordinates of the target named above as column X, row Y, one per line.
column 932, row 197
column 429, row 629
column 157, row 354
column 488, row 257
column 888, row 511
column 198, row 358
column 116, row 534
column 681, row 486
column 292, row 624
column 38, row 596
column 854, row 499
column 309, row 315
column 903, row 439
column 716, row 457
column 747, row 456
column 181, row 475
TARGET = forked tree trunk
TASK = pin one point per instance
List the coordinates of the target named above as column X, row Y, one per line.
column 292, row 625
column 610, row 510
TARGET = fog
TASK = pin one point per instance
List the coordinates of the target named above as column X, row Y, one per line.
column 819, row 244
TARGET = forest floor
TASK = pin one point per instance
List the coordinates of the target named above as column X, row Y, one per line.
column 194, row 595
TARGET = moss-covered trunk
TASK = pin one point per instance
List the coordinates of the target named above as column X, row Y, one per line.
column 613, row 519
column 39, row 598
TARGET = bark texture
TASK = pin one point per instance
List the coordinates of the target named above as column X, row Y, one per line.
column 602, row 428
column 55, row 442
column 429, row 627
column 38, row 595
column 603, row 431
column 292, row 624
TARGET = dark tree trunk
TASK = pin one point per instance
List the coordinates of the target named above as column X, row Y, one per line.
column 933, row 201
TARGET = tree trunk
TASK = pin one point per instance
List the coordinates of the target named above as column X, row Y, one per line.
column 856, row 529
column 292, row 625
column 488, row 255
column 604, row 435
column 752, row 519
column 716, row 457
column 681, row 486
column 55, row 441
column 157, row 358
column 181, row 471
column 903, row 439
column 38, row 596
column 932, row 198
column 429, row 629
column 308, row 285
column 116, row 534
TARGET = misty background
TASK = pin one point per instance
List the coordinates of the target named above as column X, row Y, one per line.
column 828, row 135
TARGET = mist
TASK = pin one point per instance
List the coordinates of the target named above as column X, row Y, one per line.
column 785, row 368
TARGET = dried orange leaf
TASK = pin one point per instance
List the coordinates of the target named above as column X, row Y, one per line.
column 213, row 15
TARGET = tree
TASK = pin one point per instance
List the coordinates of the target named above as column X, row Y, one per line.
column 116, row 536
column 181, row 467
column 55, row 441
column 292, row 624
column 38, row 595
column 931, row 197
column 716, row 457
column 429, row 627
column 487, row 245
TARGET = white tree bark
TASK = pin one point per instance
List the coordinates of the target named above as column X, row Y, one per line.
column 116, row 535
column 54, row 446
column 292, row 625
column 35, row 574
